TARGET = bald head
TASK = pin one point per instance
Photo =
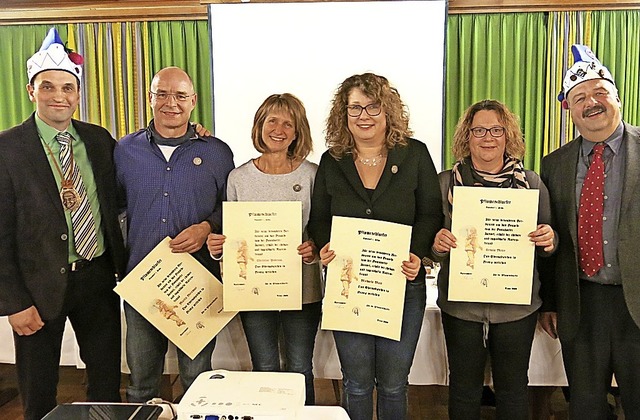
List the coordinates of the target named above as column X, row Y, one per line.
column 172, row 99
column 171, row 73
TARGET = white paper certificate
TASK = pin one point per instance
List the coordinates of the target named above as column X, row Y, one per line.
column 176, row 294
column 365, row 285
column 493, row 262
column 262, row 270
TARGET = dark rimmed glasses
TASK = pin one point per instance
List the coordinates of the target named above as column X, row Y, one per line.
column 480, row 132
column 372, row 109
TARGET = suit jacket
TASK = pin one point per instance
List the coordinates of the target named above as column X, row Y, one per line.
column 560, row 274
column 33, row 231
column 408, row 192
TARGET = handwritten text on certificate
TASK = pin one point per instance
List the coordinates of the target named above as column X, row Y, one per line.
column 493, row 262
column 262, row 270
column 176, row 294
column 365, row 286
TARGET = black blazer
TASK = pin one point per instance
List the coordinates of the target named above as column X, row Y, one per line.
column 408, row 192
column 33, row 231
column 559, row 274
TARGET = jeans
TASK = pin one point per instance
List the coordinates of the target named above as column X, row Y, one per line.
column 146, row 349
column 367, row 361
column 509, row 345
column 299, row 330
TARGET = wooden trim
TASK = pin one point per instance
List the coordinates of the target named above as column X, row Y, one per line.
column 51, row 11
column 16, row 12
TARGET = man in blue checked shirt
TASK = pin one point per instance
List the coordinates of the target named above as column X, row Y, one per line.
column 173, row 182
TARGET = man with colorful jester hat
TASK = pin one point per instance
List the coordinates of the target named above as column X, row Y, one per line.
column 60, row 243
column 591, row 287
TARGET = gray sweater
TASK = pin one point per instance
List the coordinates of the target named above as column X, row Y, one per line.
column 247, row 183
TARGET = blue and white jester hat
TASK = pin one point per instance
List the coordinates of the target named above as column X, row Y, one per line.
column 53, row 55
column 586, row 67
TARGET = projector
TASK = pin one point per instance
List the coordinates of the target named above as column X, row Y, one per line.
column 226, row 395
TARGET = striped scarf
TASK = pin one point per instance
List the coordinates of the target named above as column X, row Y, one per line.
column 463, row 173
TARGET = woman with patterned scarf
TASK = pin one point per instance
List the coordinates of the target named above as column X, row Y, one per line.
column 488, row 147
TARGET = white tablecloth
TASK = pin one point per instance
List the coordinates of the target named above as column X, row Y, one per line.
column 429, row 364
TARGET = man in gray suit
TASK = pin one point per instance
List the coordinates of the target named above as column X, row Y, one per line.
column 591, row 288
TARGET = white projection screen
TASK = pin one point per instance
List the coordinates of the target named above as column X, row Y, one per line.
column 308, row 49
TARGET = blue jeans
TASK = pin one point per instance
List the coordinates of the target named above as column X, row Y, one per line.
column 509, row 345
column 369, row 361
column 146, row 349
column 299, row 329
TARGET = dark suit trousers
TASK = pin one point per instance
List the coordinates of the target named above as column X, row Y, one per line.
column 607, row 342
column 94, row 311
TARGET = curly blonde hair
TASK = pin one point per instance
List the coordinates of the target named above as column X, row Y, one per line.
column 514, row 142
column 287, row 103
column 338, row 137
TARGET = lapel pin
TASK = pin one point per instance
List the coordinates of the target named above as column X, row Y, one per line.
column 197, row 161
column 394, row 169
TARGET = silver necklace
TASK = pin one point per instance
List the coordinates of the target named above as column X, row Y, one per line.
column 372, row 161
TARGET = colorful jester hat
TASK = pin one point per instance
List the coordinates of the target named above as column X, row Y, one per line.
column 53, row 55
column 586, row 67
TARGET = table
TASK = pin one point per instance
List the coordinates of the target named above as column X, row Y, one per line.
column 429, row 364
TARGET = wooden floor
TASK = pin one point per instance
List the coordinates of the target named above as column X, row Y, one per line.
column 425, row 402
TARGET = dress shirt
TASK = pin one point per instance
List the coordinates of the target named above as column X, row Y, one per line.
column 165, row 197
column 48, row 138
column 614, row 160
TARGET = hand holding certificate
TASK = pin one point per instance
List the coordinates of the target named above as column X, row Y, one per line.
column 261, row 266
column 493, row 262
column 178, row 296
column 365, row 285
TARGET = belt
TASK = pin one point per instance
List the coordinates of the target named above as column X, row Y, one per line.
column 79, row 265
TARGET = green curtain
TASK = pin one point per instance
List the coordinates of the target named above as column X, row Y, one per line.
column 18, row 44
column 496, row 56
column 615, row 39
column 120, row 61
column 519, row 59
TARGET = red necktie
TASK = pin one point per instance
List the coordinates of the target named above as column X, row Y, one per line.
column 590, row 215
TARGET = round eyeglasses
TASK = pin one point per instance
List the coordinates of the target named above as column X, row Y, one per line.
column 164, row 96
column 480, row 132
column 372, row 109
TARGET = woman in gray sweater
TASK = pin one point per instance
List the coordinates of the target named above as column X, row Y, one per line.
column 281, row 173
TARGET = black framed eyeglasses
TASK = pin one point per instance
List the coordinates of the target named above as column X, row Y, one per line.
column 480, row 132
column 164, row 96
column 372, row 109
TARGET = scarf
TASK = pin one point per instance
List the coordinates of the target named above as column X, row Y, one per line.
column 463, row 173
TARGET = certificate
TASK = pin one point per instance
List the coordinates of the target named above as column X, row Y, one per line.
column 176, row 294
column 493, row 262
column 261, row 268
column 365, row 286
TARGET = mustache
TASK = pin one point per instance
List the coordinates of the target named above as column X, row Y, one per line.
column 588, row 111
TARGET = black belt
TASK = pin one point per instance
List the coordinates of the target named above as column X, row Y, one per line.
column 79, row 265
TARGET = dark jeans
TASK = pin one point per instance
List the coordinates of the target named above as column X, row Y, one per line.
column 94, row 311
column 299, row 329
column 607, row 342
column 369, row 361
column 509, row 345
column 146, row 349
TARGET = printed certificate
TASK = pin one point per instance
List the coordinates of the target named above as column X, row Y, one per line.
column 176, row 294
column 261, row 268
column 493, row 262
column 365, row 286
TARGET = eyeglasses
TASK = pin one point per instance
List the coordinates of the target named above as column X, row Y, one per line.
column 480, row 132
column 356, row 110
column 164, row 96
